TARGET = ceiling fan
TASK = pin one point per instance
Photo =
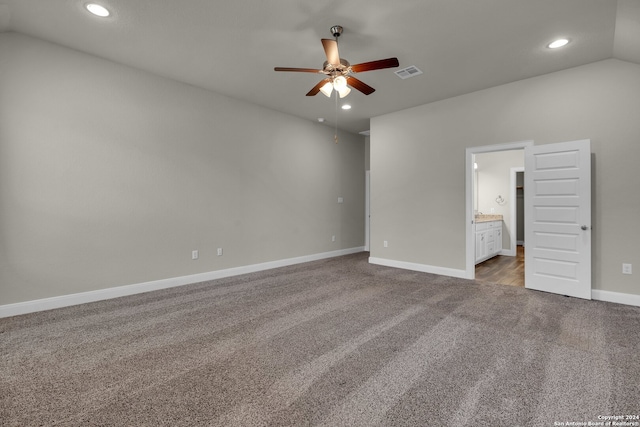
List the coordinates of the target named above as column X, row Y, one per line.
column 339, row 70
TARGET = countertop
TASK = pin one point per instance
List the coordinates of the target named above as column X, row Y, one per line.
column 487, row 218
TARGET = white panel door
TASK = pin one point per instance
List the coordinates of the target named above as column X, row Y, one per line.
column 558, row 218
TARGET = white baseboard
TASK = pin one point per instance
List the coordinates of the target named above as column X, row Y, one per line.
column 443, row 271
column 16, row 309
column 617, row 297
column 596, row 294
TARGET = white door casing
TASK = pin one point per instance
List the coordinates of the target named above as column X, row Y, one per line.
column 367, row 210
column 470, row 152
column 558, row 218
column 514, row 210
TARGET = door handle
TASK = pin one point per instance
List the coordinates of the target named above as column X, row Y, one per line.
column 584, row 227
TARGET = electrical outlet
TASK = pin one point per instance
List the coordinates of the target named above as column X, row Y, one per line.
column 194, row 254
column 333, row 238
column 626, row 269
column 386, row 244
column 219, row 251
column 340, row 200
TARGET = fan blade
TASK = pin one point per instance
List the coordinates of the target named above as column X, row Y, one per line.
column 317, row 87
column 331, row 50
column 375, row 65
column 300, row 70
column 357, row 84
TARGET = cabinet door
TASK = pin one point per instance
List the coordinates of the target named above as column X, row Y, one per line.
column 491, row 237
column 481, row 244
column 498, row 238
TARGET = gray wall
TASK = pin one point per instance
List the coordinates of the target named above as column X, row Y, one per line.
column 418, row 163
column 111, row 176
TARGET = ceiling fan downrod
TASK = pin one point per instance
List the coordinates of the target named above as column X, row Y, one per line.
column 336, row 30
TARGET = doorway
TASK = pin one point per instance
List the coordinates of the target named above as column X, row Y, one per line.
column 496, row 195
column 497, row 198
column 558, row 215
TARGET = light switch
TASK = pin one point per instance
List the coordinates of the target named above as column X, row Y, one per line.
column 340, row 200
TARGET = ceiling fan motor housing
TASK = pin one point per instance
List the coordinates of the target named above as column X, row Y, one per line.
column 343, row 68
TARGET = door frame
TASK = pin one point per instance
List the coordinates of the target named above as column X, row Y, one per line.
column 514, row 217
column 470, row 152
column 367, row 210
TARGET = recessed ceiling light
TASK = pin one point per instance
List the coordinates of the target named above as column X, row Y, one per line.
column 346, row 107
column 97, row 10
column 558, row 43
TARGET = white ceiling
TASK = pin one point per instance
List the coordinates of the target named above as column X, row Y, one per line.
column 231, row 47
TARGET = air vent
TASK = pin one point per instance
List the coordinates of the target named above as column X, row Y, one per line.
column 407, row 72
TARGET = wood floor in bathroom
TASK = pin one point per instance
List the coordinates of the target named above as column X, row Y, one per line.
column 502, row 270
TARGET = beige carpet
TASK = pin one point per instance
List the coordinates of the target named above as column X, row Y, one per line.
column 334, row 342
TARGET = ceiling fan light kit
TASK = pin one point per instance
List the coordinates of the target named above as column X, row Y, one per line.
column 339, row 84
column 339, row 71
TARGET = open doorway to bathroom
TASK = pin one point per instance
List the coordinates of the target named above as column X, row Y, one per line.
column 507, row 268
column 497, row 217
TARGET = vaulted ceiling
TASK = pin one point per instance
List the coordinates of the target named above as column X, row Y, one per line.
column 231, row 47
